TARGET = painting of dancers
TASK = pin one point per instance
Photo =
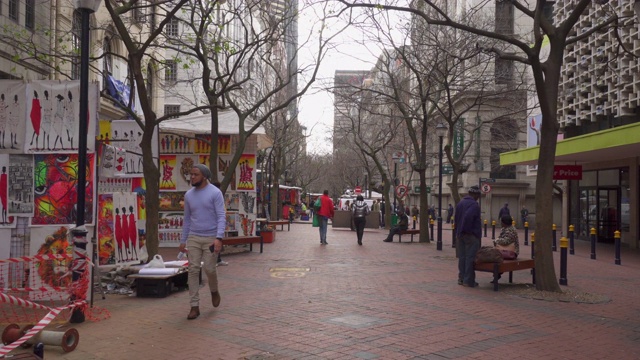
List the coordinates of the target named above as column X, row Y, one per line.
column 125, row 228
column 13, row 112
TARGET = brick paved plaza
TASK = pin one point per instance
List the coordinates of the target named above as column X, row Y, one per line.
column 301, row 300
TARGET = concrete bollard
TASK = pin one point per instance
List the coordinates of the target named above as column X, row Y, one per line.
column 493, row 229
column 616, row 236
column 593, row 243
column 563, row 261
column 554, row 246
column 572, row 249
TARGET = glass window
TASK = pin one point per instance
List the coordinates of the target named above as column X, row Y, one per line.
column 172, row 27
column 14, row 9
column 589, row 178
column 171, row 71
column 609, row 177
column 30, row 14
column 171, row 109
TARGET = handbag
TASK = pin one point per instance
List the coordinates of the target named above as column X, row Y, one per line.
column 508, row 251
column 488, row 254
column 316, row 221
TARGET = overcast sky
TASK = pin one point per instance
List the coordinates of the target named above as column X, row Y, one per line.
column 316, row 107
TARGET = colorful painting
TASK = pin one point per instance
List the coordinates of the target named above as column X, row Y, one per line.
column 170, row 227
column 172, row 201
column 248, row 202
column 169, row 172
column 5, row 220
column 20, row 197
column 139, row 186
column 223, row 168
column 125, row 228
column 202, row 144
column 246, row 225
column 231, row 201
column 13, row 113
column 231, row 221
column 185, row 162
column 51, row 274
column 106, row 241
column 246, row 172
column 224, row 144
column 55, row 189
column 104, row 131
column 175, row 144
column 53, row 110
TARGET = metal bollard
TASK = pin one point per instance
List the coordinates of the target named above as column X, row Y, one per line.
column 414, row 222
column 572, row 249
column 533, row 251
column 533, row 256
column 454, row 239
column 593, row 243
column 563, row 261
column 485, row 227
column 526, row 233
column 616, row 236
column 513, row 223
column 553, row 233
column 493, row 230
column 431, row 222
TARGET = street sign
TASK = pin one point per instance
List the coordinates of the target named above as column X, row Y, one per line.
column 401, row 191
column 416, row 189
column 447, row 169
column 485, row 188
column 358, row 190
column 428, row 189
column 487, row 180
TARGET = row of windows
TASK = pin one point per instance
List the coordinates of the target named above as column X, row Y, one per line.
column 29, row 12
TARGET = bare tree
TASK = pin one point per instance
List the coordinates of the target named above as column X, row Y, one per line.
column 545, row 67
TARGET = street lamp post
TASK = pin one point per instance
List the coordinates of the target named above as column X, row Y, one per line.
column 79, row 233
column 441, row 131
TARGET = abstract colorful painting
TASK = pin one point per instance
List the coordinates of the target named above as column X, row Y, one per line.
column 55, row 189
column 168, row 172
column 246, row 170
column 51, row 274
column 106, row 241
column 172, row 201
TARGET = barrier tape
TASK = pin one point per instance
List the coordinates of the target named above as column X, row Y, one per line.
column 38, row 258
column 40, row 325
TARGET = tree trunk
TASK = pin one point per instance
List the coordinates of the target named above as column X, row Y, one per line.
column 424, row 206
column 152, row 182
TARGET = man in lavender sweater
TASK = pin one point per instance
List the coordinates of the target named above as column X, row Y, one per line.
column 202, row 233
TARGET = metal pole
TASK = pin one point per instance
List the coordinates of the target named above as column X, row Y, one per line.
column 79, row 233
column 395, row 184
column 439, row 240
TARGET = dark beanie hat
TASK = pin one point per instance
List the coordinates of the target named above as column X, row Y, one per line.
column 474, row 189
column 204, row 170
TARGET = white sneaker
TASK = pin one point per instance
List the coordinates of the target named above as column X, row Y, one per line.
column 222, row 263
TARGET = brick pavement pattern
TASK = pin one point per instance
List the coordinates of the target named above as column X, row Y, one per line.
column 301, row 300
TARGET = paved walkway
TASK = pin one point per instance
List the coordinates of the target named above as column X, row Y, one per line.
column 301, row 300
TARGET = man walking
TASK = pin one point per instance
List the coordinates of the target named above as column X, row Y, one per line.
column 325, row 213
column 468, row 232
column 202, row 233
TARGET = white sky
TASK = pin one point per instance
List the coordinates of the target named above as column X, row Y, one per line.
column 316, row 106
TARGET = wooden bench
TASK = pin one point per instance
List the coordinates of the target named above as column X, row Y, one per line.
column 507, row 266
column 240, row 240
column 407, row 232
column 282, row 223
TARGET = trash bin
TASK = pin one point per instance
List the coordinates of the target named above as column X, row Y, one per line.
column 394, row 219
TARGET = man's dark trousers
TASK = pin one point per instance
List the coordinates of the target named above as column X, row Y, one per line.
column 467, row 246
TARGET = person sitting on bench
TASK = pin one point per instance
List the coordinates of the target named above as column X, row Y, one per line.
column 403, row 224
column 508, row 239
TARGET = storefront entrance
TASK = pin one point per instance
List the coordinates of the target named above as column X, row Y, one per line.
column 599, row 209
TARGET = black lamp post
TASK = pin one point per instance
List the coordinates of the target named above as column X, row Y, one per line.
column 441, row 131
column 79, row 233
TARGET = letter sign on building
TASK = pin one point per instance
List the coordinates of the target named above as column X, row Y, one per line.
column 567, row 172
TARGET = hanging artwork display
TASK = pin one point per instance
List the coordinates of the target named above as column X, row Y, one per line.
column 183, row 177
column 125, row 229
column 127, row 134
column 13, row 112
column 175, row 144
column 172, row 201
column 105, row 236
column 53, row 113
column 168, row 172
column 170, row 227
column 246, row 172
column 5, row 219
column 55, row 189
column 20, row 196
column 51, row 274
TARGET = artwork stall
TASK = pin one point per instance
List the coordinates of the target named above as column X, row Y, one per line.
column 186, row 141
column 39, row 137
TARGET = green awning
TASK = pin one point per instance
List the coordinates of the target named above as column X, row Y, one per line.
column 612, row 144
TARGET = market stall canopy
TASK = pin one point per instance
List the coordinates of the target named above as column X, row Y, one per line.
column 201, row 124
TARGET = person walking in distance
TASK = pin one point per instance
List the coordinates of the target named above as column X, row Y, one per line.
column 524, row 215
column 360, row 212
column 504, row 211
column 202, row 233
column 325, row 213
column 468, row 232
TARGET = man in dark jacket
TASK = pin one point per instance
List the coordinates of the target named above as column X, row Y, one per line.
column 468, row 234
column 403, row 224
